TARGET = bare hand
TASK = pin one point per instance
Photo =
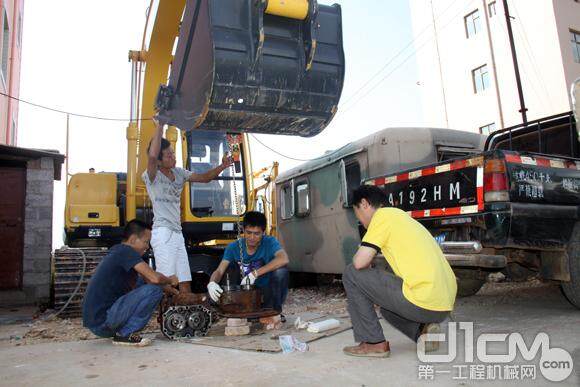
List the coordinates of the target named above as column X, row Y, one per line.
column 155, row 120
column 170, row 290
column 159, row 120
column 174, row 281
column 227, row 160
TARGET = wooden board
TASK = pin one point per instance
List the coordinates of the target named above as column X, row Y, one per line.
column 267, row 341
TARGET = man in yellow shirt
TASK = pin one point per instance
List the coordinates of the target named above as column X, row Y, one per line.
column 415, row 293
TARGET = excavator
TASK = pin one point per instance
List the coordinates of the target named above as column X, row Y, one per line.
column 217, row 70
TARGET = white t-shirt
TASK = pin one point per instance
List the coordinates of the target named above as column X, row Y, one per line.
column 166, row 197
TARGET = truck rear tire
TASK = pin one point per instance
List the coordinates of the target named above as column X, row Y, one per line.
column 572, row 289
column 469, row 281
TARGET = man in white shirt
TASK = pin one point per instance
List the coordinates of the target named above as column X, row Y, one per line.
column 164, row 182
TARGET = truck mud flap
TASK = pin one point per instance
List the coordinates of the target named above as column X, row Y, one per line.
column 238, row 68
column 477, row 260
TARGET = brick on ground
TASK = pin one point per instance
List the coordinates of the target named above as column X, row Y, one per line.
column 236, row 322
column 238, row 331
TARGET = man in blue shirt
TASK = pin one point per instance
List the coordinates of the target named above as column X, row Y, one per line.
column 114, row 304
column 263, row 263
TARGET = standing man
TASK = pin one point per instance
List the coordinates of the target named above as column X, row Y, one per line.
column 263, row 263
column 414, row 296
column 164, row 184
column 110, row 307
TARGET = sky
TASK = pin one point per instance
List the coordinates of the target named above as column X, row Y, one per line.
column 74, row 58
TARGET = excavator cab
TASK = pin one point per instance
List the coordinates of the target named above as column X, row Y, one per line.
column 257, row 66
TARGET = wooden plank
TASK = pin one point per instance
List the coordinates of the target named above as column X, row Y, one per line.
column 267, row 341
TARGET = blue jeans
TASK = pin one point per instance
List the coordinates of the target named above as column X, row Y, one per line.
column 277, row 290
column 131, row 312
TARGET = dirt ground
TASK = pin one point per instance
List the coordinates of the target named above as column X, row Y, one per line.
column 329, row 299
column 326, row 300
column 61, row 352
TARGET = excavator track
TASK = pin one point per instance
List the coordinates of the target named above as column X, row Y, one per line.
column 67, row 271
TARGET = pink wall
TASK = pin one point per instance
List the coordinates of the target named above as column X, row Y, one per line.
column 11, row 83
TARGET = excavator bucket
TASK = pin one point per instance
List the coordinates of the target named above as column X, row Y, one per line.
column 258, row 66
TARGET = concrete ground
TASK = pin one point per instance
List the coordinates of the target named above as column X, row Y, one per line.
column 497, row 309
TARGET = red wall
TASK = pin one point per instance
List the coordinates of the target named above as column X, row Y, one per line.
column 11, row 83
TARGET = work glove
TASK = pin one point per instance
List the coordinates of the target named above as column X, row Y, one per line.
column 215, row 291
column 249, row 279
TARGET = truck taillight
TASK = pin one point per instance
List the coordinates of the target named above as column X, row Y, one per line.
column 495, row 181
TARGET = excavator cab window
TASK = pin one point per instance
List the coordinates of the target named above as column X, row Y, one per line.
column 218, row 197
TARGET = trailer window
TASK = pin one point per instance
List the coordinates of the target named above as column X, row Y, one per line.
column 286, row 201
column 445, row 153
column 353, row 178
column 302, row 199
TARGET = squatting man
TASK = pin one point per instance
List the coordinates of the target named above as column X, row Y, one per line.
column 124, row 291
column 415, row 292
column 263, row 263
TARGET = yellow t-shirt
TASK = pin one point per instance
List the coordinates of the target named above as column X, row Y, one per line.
column 415, row 256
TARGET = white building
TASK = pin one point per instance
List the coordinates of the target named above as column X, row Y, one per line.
column 465, row 63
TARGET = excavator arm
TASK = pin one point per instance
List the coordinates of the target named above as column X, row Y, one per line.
column 261, row 66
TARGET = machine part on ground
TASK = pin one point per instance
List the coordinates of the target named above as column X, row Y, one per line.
column 187, row 321
column 189, row 299
column 240, row 301
column 70, row 280
column 262, row 313
column 255, row 66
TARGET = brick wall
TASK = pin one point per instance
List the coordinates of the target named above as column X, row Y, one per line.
column 38, row 230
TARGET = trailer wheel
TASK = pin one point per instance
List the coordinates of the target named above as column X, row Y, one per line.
column 469, row 281
column 572, row 289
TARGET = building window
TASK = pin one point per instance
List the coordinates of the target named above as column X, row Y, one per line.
column 286, row 201
column 491, row 9
column 5, row 45
column 575, row 39
column 480, row 79
column 302, row 199
column 487, row 129
column 472, row 24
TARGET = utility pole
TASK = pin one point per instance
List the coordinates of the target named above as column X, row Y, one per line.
column 523, row 108
column 440, row 69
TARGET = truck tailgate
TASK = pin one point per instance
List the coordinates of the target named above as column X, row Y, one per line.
column 451, row 188
column 543, row 179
